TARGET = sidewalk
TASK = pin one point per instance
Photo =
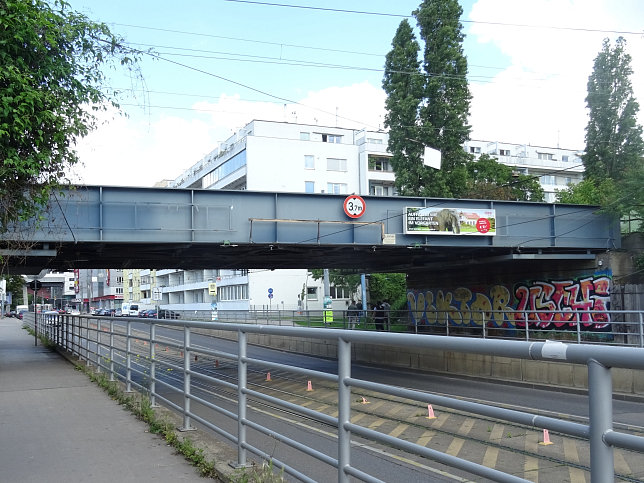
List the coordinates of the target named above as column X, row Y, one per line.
column 57, row 426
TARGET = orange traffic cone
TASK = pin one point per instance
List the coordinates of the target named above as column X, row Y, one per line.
column 430, row 412
column 546, row 438
column 309, row 386
column 268, row 377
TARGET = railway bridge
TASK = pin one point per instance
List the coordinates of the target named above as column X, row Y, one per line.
column 122, row 227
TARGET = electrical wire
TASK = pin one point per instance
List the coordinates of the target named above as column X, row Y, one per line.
column 474, row 22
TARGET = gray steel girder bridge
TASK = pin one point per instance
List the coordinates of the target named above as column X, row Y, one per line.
column 119, row 227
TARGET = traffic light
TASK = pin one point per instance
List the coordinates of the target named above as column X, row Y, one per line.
column 35, row 285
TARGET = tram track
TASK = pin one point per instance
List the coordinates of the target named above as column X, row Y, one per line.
column 324, row 395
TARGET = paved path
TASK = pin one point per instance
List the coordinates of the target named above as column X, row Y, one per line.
column 58, row 426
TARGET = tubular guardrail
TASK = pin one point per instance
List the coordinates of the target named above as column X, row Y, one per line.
column 607, row 327
column 109, row 345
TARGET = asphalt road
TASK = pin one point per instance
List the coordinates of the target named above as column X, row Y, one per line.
column 387, row 463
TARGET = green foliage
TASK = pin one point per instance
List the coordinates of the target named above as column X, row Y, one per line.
column 140, row 406
column 614, row 145
column 489, row 179
column 429, row 109
column 390, row 287
column 403, row 83
column 338, row 278
column 590, row 192
column 14, row 285
column 258, row 474
column 51, row 80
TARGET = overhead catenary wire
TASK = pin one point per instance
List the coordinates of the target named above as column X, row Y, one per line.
column 481, row 22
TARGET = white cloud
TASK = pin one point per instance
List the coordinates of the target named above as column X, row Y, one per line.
column 140, row 151
column 356, row 106
column 540, row 97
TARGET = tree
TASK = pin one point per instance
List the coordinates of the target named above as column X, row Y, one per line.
column 489, row 179
column 14, row 286
column 389, row 287
column 590, row 192
column 51, row 83
column 403, row 83
column 614, row 143
column 440, row 113
column 338, row 278
column 614, row 171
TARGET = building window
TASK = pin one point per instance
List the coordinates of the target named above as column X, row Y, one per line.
column 305, row 136
column 311, row 293
column 379, row 163
column 545, row 156
column 547, row 179
column 309, row 161
column 228, row 167
column 233, row 292
column 339, row 292
column 475, row 149
column 336, row 164
column 564, row 158
column 504, row 152
column 374, row 140
column 331, row 138
column 377, row 190
column 119, row 290
column 309, row 186
column 336, row 188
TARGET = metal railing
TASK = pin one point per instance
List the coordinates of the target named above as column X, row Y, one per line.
column 608, row 327
column 133, row 356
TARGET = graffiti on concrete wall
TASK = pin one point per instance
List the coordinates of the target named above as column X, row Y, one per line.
column 561, row 304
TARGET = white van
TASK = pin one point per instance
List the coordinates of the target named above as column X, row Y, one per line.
column 130, row 310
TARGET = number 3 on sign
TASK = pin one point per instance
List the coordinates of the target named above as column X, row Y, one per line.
column 354, row 206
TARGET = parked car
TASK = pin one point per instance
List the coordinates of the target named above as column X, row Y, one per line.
column 169, row 314
column 148, row 314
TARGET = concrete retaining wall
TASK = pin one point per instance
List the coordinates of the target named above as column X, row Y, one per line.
column 625, row 381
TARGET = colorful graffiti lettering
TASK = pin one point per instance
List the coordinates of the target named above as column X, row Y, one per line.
column 555, row 304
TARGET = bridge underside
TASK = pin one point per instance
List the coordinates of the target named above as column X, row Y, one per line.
column 115, row 227
column 274, row 256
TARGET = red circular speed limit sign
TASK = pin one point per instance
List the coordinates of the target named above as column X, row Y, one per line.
column 354, row 206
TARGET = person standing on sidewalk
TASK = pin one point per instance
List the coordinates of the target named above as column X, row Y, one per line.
column 352, row 314
column 386, row 308
column 379, row 316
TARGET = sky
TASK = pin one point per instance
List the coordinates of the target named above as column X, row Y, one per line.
column 222, row 63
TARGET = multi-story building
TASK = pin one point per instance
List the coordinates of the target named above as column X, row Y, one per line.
column 98, row 288
column 556, row 168
column 277, row 156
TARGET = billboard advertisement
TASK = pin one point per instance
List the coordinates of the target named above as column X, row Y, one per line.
column 449, row 221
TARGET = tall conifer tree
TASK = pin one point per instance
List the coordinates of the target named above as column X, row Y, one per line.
column 442, row 108
column 403, row 84
column 614, row 145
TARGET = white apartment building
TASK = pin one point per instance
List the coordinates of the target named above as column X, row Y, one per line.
column 287, row 157
column 556, row 168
